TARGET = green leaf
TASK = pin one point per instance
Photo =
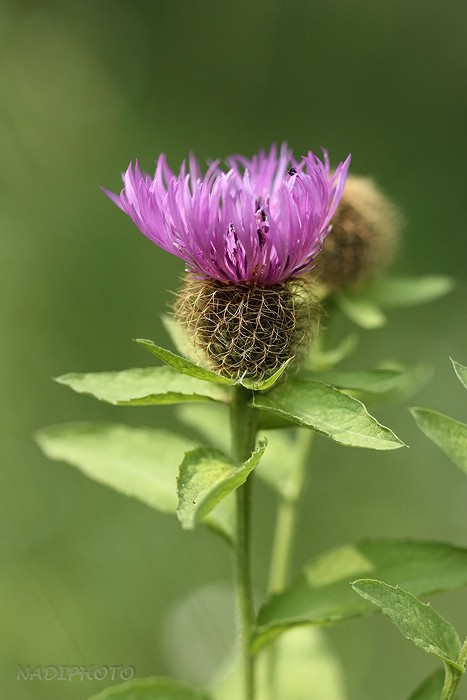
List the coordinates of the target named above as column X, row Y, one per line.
column 263, row 384
column 181, row 364
column 143, row 387
column 138, row 462
column 417, row 621
column 329, row 412
column 361, row 310
column 183, row 345
column 449, row 434
column 280, row 462
column 206, row 477
column 151, row 689
column 431, row 687
column 374, row 382
column 409, row 291
column 461, row 372
column 267, row 420
column 321, row 360
column 322, row 595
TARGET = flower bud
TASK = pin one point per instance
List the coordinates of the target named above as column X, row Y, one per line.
column 247, row 330
column 363, row 239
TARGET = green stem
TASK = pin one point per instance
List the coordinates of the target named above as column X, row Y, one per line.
column 451, row 681
column 453, row 676
column 462, row 658
column 243, row 429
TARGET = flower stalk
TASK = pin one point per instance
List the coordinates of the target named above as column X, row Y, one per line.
column 452, row 676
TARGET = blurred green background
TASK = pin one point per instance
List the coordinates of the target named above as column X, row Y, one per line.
column 87, row 575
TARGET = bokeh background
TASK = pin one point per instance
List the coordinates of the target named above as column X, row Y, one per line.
column 88, row 576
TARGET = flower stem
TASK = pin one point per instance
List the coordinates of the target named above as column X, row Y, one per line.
column 453, row 676
column 451, row 681
column 243, row 429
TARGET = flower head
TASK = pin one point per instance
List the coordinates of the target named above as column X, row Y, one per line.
column 260, row 221
column 365, row 234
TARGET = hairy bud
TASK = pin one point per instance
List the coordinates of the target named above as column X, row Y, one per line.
column 363, row 239
column 247, row 330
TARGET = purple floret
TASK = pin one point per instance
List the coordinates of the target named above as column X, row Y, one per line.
column 259, row 221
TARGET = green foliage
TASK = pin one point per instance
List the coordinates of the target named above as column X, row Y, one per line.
column 461, row 372
column 268, row 382
column 322, row 594
column 395, row 292
column 449, row 434
column 321, row 360
column 279, row 464
column 151, row 689
column 329, row 412
column 364, row 308
column 143, row 387
column 138, row 462
column 417, row 621
column 361, row 310
column 380, row 382
column 181, row 364
column 192, row 369
column 206, row 477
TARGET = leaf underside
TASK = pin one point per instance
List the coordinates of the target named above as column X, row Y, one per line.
column 418, row 622
column 321, row 595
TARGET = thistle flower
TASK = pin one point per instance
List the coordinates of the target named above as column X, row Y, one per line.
column 365, row 233
column 246, row 233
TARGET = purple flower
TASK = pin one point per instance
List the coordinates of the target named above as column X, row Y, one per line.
column 259, row 221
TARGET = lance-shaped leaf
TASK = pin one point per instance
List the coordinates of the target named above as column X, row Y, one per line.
column 361, row 310
column 143, row 387
column 431, row 687
column 461, row 372
column 181, row 364
column 329, row 412
column 322, row 594
column 373, row 382
column 138, row 462
column 409, row 291
column 321, row 360
column 151, row 689
column 417, row 621
column 278, row 467
column 206, row 477
column 449, row 434
column 196, row 370
column 268, row 382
